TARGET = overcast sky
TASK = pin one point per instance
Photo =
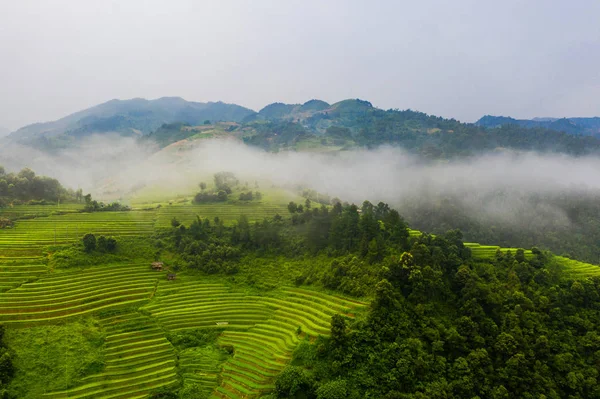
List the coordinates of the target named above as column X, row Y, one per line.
column 460, row 59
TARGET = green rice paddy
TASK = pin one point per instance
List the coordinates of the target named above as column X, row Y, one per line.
column 138, row 307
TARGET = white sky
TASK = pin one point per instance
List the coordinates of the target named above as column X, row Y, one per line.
column 460, row 59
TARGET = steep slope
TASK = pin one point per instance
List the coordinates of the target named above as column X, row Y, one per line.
column 128, row 117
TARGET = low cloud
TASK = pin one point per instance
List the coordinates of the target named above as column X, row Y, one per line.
column 500, row 188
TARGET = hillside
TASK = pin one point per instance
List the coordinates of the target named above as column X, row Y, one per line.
column 357, row 123
column 315, row 126
column 135, row 117
column 274, row 296
column 576, row 126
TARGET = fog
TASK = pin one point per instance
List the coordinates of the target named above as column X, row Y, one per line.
column 499, row 187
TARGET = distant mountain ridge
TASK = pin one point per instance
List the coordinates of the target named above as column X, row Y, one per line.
column 312, row 126
column 137, row 116
column 578, row 126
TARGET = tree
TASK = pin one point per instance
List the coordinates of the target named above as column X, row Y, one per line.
column 292, row 207
column 202, row 186
column 111, row 244
column 222, row 195
column 338, row 330
column 520, row 255
column 101, row 243
column 307, row 203
column 89, row 242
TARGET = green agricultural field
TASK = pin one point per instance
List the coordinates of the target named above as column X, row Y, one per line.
column 135, row 310
column 228, row 212
column 138, row 308
column 484, row 252
column 262, row 330
column 28, row 211
column 576, row 268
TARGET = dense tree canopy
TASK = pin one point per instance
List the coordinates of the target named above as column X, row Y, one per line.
column 26, row 187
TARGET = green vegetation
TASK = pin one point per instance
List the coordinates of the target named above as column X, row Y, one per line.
column 566, row 222
column 26, row 187
column 284, row 296
column 7, row 367
column 55, row 357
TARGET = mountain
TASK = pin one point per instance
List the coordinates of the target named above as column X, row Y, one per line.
column 4, row 131
column 133, row 117
column 577, row 126
column 314, row 126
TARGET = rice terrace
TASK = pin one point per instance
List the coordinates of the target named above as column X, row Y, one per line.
column 136, row 311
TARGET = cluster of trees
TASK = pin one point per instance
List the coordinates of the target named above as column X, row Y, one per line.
column 224, row 184
column 7, row 369
column 95, row 206
column 443, row 325
column 26, row 187
column 206, row 197
column 102, row 243
column 369, row 233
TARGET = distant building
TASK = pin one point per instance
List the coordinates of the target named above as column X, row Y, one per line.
column 171, row 276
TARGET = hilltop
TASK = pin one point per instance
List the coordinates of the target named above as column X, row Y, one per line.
column 135, row 117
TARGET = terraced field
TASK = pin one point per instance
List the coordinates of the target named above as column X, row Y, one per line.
column 138, row 359
column 60, row 296
column 15, row 271
column 30, row 236
column 262, row 330
column 479, row 251
column 575, row 268
column 201, row 366
column 229, row 213
column 29, row 211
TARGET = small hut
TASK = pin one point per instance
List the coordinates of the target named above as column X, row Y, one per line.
column 158, row 266
column 171, row 276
